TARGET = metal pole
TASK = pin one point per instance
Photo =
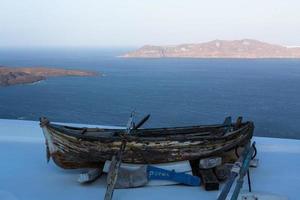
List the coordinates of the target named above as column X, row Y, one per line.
column 234, row 174
column 249, row 181
column 242, row 173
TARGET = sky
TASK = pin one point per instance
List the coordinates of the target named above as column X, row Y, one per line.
column 129, row 23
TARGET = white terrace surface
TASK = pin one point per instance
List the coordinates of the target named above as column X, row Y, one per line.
column 25, row 174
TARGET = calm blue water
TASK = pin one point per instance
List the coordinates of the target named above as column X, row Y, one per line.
column 175, row 91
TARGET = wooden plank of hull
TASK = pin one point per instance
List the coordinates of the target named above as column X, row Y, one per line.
column 71, row 152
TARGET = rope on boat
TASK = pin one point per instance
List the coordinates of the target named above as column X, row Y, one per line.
column 253, row 156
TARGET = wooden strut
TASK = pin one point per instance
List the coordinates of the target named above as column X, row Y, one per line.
column 113, row 172
column 117, row 160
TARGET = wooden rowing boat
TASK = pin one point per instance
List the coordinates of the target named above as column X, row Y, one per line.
column 73, row 147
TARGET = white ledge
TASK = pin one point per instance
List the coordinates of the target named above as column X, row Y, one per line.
column 25, row 174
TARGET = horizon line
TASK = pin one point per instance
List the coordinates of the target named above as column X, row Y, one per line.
column 133, row 46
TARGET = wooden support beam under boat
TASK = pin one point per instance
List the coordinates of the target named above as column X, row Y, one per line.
column 209, row 179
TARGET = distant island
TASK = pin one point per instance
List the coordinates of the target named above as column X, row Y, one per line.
column 23, row 75
column 246, row 48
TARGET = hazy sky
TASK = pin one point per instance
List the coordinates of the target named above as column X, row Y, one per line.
column 139, row 22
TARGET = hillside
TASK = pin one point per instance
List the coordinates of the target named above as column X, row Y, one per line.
column 245, row 48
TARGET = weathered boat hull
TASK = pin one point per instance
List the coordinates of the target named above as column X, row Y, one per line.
column 70, row 149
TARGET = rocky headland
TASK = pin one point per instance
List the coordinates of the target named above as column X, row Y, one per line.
column 23, row 75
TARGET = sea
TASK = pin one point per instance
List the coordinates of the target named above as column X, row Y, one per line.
column 175, row 91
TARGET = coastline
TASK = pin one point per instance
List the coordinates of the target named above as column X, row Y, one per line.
column 244, row 48
column 29, row 75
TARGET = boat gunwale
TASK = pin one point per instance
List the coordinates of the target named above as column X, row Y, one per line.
column 158, row 138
